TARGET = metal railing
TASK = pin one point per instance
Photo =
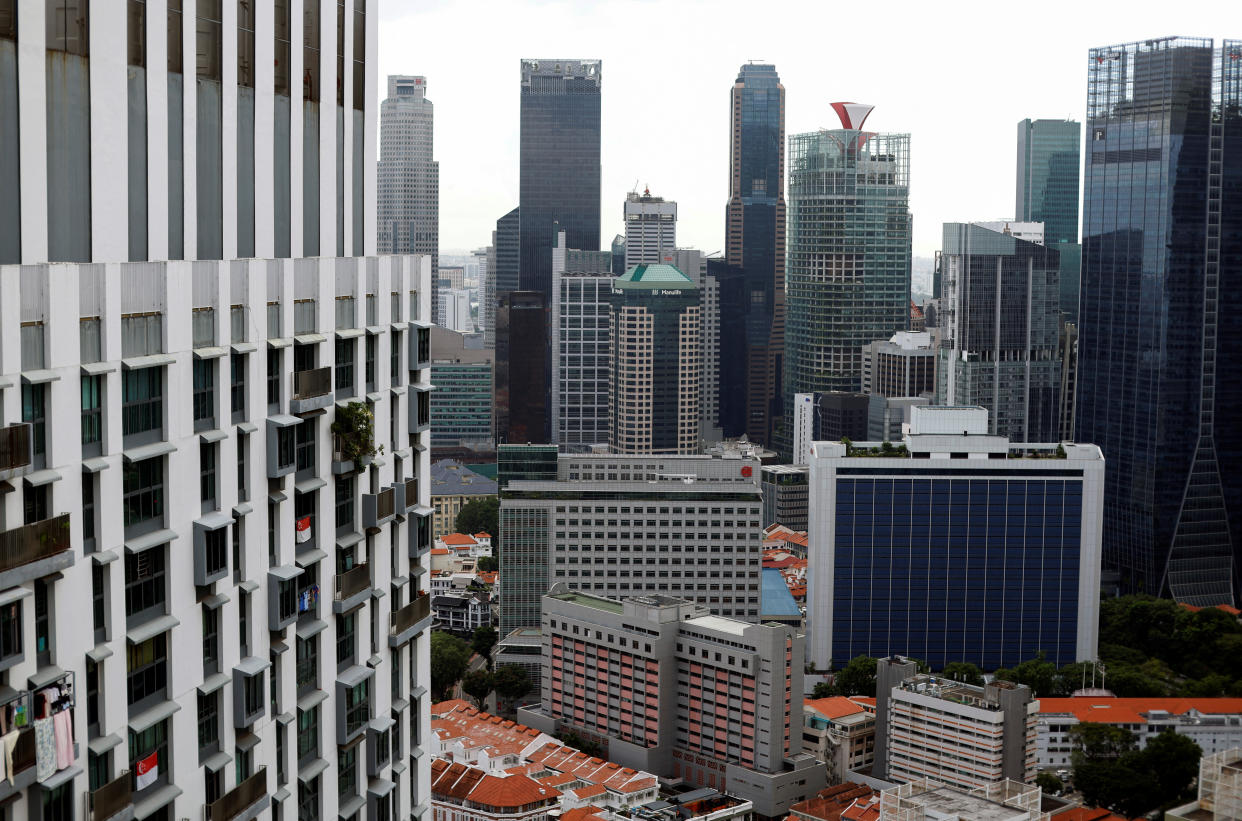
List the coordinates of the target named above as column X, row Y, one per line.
column 24, row 752
column 352, row 582
column 312, row 383
column 38, row 540
column 15, row 446
column 112, row 797
column 245, row 794
column 418, row 609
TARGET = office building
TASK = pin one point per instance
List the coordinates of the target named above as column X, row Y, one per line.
column 508, row 253
column 461, row 405
column 194, row 156
column 682, row 525
column 888, row 418
column 486, row 258
column 839, row 732
column 533, row 462
column 666, row 687
column 902, row 365
column 650, row 228
column 454, row 308
column 1000, row 321
column 925, row 529
column 1215, row 724
column 835, row 415
column 1047, row 191
column 408, row 176
column 560, row 164
column 1158, row 339
column 521, row 367
column 785, row 495
column 849, row 251
column 581, row 357
column 656, row 367
column 755, row 242
column 1068, row 346
column 958, row 734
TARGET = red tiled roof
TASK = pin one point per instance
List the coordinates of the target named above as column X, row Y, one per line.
column 1112, row 710
column 832, row 803
column 513, row 791
column 587, row 813
column 439, row 551
column 590, row 791
column 482, row 535
column 453, row 780
column 457, row 538
column 833, row 707
column 1233, row 611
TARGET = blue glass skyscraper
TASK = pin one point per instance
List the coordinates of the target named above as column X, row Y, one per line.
column 1047, row 192
column 1160, row 359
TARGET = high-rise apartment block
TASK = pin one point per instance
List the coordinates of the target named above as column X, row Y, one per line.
column 206, row 576
column 665, row 686
column 849, row 251
column 755, row 240
column 581, row 356
column 656, row 367
column 560, row 163
column 1159, row 346
column 1047, row 192
column 1000, row 321
column 958, row 734
column 243, row 134
column 971, row 547
column 650, row 229
column 629, row 525
column 408, row 178
column 902, row 365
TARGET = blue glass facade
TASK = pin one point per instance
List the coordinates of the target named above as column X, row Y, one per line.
column 983, row 570
column 1047, row 192
column 1160, row 363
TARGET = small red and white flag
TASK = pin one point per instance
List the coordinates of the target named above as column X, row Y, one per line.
column 148, row 771
column 304, row 529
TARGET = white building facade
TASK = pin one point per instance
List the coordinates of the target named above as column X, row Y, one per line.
column 650, row 229
column 581, row 284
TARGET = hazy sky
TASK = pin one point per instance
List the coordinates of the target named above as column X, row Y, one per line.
column 957, row 76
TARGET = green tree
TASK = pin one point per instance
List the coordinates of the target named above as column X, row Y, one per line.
column 964, row 672
column 1099, row 742
column 1037, row 673
column 823, row 689
column 857, row 678
column 483, row 640
column 511, row 682
column 477, row 684
column 449, row 659
column 1049, row 783
column 481, row 515
column 1172, row 761
column 487, row 564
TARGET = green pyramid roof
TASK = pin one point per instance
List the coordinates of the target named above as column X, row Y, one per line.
column 653, row 277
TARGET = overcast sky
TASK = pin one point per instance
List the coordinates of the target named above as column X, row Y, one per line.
column 957, row 76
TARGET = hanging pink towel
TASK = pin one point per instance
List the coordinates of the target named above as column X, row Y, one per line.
column 63, row 725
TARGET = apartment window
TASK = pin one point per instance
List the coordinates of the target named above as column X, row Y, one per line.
column 281, row 776
column 237, row 386
column 371, row 344
column 245, row 43
column 344, row 503
column 68, row 26
column 360, row 54
column 243, row 457
column 308, row 734
column 10, row 633
column 310, row 53
column 204, row 393
column 215, row 551
column 281, row 80
column 145, row 593
column 151, row 747
column 243, row 622
column 34, row 411
column 252, row 695
column 357, row 707
column 213, row 785
column 346, row 639
column 207, row 473
column 344, row 369
column 99, row 610
column 308, row 800
column 211, row 641
column 92, row 413
column 99, row 769
column 92, row 698
column 57, row 804
column 143, row 493
column 305, row 445
column 273, row 377
column 273, row 534
column 394, row 359
column 35, row 504
column 137, row 31
column 307, row 670
column 43, row 622
column 147, row 664
column 88, row 512
column 243, row 764
column 347, row 772
column 305, row 512
column 142, row 401
column 209, row 40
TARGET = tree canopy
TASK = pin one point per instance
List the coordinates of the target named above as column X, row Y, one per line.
column 449, row 658
column 1110, row 771
column 481, row 515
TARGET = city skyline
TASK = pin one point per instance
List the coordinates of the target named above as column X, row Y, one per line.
column 688, row 157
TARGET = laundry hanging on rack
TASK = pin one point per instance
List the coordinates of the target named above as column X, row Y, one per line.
column 10, row 742
column 45, row 749
column 62, row 727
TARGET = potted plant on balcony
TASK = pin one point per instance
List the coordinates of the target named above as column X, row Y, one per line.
column 354, row 429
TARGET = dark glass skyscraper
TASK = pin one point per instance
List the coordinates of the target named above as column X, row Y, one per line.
column 755, row 240
column 508, row 253
column 1048, row 152
column 1160, row 360
column 559, row 182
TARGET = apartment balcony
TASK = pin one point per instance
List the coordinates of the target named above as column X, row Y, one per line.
column 312, row 390
column 342, row 465
column 16, row 450
column 35, row 550
column 407, row 622
column 352, row 588
column 113, row 800
column 23, row 773
column 379, row 508
column 245, row 801
column 411, row 493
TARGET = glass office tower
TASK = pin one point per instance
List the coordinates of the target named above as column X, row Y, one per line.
column 849, row 253
column 560, row 168
column 1047, row 192
column 755, row 239
column 1160, row 364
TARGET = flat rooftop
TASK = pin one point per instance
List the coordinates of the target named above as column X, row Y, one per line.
column 966, row 807
column 607, row 605
column 718, row 623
